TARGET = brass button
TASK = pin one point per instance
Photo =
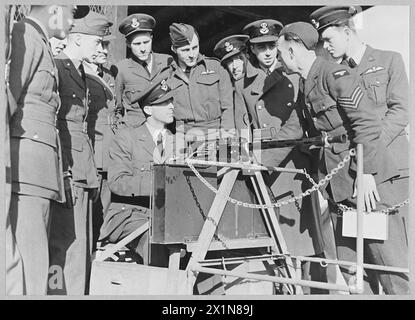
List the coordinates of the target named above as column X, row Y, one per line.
column 53, row 73
column 259, row 107
column 314, row 119
column 289, row 104
column 290, row 85
column 264, row 125
column 142, row 169
column 36, row 136
column 74, row 95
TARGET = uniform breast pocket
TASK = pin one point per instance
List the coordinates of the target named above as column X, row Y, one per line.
column 72, row 107
column 45, row 78
column 210, row 84
column 376, row 84
column 131, row 91
column 209, row 94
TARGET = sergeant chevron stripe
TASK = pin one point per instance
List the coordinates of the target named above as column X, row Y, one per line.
column 352, row 101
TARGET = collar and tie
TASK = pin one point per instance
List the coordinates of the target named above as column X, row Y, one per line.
column 100, row 71
column 352, row 64
column 81, row 71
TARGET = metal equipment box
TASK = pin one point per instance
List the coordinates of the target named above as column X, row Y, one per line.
column 181, row 203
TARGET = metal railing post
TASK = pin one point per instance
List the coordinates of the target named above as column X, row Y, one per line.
column 358, row 287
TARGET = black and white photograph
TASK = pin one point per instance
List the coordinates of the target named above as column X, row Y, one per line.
column 244, row 150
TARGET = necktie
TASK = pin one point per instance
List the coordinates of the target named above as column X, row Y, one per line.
column 160, row 144
column 352, row 63
column 100, row 72
column 268, row 72
column 81, row 71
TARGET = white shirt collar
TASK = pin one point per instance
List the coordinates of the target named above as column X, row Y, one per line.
column 155, row 133
column 91, row 68
column 272, row 68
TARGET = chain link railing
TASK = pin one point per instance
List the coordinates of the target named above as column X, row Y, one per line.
column 315, row 187
column 295, row 199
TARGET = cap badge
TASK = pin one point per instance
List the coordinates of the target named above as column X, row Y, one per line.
column 352, row 10
column 164, row 86
column 315, row 23
column 135, row 23
column 228, row 47
column 183, row 28
column 264, row 28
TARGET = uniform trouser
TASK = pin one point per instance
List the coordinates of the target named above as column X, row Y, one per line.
column 156, row 256
column 392, row 252
column 70, row 244
column 29, row 218
column 14, row 264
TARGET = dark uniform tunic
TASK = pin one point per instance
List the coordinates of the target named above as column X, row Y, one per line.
column 102, row 114
column 70, row 235
column 271, row 103
column 101, row 119
column 133, row 78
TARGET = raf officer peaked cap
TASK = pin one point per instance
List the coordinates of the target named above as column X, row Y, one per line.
column 156, row 94
column 230, row 46
column 93, row 24
column 138, row 22
column 332, row 15
column 80, row 12
column 263, row 30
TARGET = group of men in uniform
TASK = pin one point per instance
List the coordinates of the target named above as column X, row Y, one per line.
column 84, row 133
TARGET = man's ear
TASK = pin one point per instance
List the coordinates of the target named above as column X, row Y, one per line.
column 291, row 51
column 347, row 30
column 173, row 49
column 78, row 39
column 147, row 110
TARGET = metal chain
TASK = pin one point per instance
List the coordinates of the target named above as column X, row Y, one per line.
column 341, row 207
column 316, row 186
column 205, row 218
column 389, row 211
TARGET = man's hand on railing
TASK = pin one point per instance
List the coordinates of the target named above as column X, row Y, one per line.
column 370, row 192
